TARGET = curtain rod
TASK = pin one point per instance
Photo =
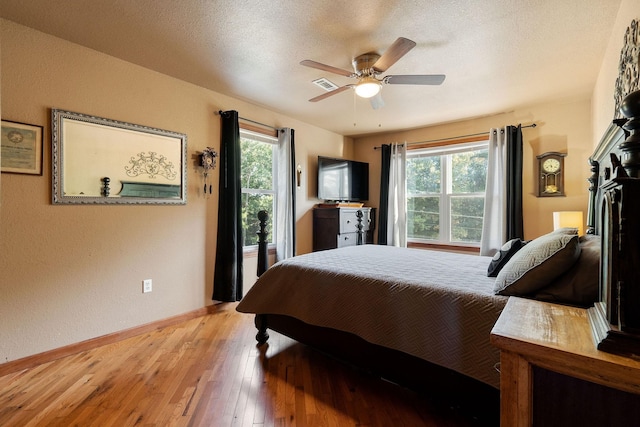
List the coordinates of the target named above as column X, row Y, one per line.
column 455, row 137
column 252, row 121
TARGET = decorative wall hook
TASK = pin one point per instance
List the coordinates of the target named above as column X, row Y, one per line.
column 208, row 163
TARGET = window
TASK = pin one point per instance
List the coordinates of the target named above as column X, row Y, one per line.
column 257, row 174
column 445, row 193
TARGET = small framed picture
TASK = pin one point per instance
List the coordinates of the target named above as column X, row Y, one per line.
column 21, row 148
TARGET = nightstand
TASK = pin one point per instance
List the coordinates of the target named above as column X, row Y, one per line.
column 551, row 372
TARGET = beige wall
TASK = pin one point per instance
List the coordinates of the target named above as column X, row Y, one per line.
column 603, row 101
column 70, row 273
column 563, row 126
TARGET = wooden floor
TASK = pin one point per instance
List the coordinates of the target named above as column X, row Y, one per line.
column 209, row 372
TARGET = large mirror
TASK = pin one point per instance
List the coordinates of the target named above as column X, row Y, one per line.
column 97, row 160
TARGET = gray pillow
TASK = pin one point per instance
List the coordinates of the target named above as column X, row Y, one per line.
column 565, row 230
column 581, row 283
column 538, row 264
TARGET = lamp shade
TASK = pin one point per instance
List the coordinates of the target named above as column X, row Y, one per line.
column 572, row 219
column 367, row 87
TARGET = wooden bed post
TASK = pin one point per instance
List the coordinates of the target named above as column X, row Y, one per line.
column 263, row 260
column 261, row 324
column 630, row 108
column 593, row 191
column 360, row 228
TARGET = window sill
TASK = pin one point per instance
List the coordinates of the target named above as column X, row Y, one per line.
column 252, row 251
column 440, row 247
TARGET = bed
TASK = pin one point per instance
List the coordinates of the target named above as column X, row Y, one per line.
column 416, row 301
column 416, row 317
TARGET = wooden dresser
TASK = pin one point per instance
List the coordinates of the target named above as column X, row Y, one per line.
column 338, row 227
column 551, row 373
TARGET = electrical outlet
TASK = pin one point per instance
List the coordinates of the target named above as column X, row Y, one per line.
column 146, row 286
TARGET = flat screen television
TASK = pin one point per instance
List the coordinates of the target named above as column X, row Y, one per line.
column 341, row 180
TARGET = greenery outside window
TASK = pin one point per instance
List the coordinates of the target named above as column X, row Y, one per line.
column 445, row 193
column 257, row 173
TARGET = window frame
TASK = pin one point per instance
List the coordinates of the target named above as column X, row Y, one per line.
column 251, row 133
column 445, row 150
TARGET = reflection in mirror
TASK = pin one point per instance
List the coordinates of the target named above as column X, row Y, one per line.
column 97, row 160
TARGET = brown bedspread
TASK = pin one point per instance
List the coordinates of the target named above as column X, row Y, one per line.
column 438, row 306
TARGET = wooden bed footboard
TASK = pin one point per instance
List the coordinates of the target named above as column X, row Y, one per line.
column 408, row 371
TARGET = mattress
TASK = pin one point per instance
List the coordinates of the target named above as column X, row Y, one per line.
column 438, row 306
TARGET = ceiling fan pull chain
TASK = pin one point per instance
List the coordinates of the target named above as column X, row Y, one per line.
column 355, row 98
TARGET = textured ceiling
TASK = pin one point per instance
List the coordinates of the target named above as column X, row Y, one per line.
column 497, row 54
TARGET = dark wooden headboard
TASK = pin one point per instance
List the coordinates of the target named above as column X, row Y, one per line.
column 614, row 208
column 601, row 168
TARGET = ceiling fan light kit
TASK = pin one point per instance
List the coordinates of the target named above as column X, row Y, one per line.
column 367, row 68
column 367, row 87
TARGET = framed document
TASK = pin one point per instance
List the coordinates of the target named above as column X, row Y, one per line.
column 21, row 148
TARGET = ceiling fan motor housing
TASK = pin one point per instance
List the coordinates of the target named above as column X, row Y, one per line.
column 363, row 64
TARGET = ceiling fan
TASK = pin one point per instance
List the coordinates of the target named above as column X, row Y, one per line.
column 367, row 69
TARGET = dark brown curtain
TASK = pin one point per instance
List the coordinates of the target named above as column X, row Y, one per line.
column 383, row 211
column 227, row 278
column 514, row 224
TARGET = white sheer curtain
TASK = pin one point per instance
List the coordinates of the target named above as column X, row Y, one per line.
column 397, row 219
column 494, row 227
column 285, row 217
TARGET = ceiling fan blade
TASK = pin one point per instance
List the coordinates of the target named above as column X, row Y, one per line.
column 328, row 94
column 377, row 101
column 426, row 79
column 324, row 67
column 396, row 51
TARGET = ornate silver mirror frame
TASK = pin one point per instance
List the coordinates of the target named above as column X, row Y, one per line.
column 104, row 161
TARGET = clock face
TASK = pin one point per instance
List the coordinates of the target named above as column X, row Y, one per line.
column 551, row 165
column 208, row 161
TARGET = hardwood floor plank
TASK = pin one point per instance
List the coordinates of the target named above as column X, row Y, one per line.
column 201, row 415
column 255, row 406
column 208, row 371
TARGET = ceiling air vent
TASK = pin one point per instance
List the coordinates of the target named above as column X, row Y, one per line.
column 325, row 84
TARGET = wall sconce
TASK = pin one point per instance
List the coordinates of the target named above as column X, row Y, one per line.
column 571, row 219
column 299, row 175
